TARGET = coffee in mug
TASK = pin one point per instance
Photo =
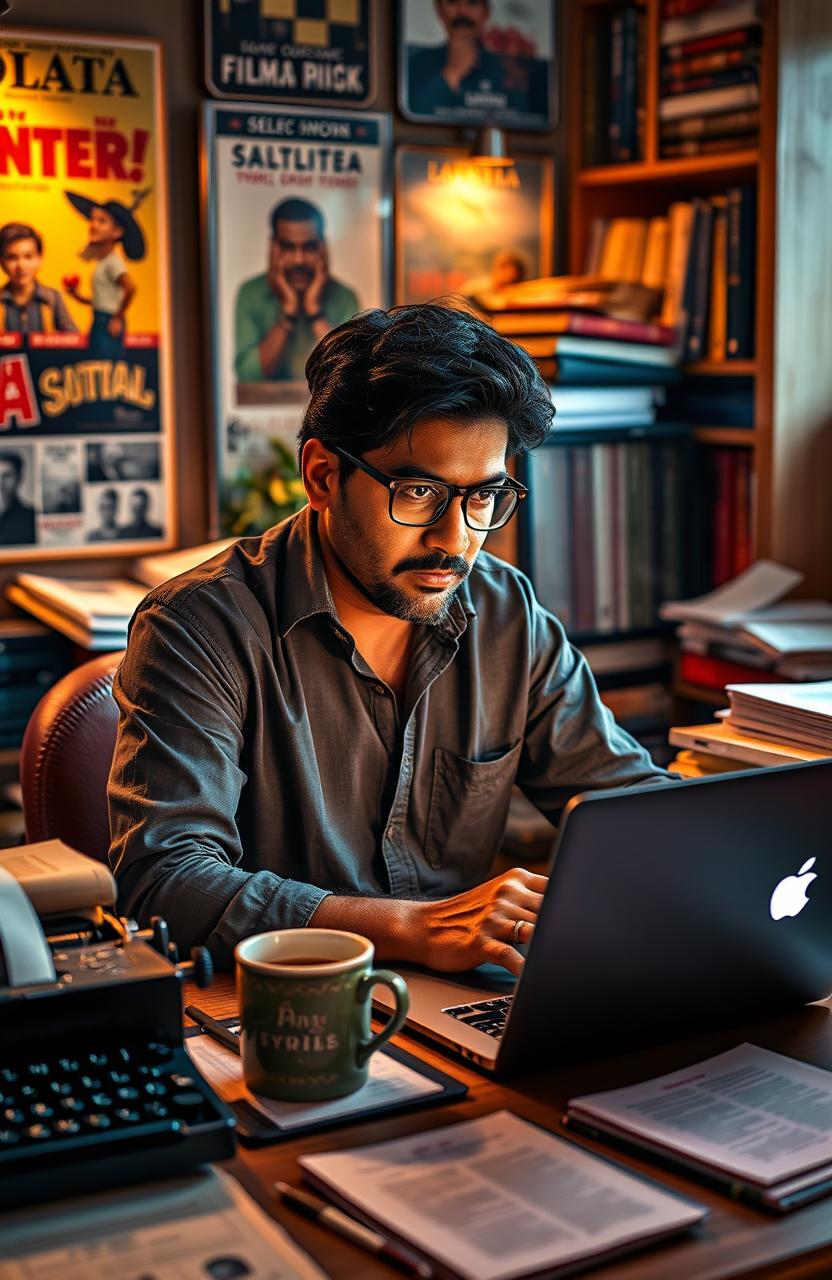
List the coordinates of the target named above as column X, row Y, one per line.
column 304, row 997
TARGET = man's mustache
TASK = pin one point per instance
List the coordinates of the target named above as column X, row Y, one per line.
column 462, row 24
column 435, row 564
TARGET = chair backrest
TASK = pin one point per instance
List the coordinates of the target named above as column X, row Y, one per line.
column 65, row 759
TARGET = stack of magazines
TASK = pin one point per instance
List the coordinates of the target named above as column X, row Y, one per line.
column 95, row 612
column 796, row 714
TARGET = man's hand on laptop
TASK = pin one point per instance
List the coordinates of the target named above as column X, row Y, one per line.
column 484, row 925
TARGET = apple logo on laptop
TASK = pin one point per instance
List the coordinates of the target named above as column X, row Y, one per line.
column 789, row 897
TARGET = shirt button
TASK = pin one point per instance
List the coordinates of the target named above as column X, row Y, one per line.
column 379, row 689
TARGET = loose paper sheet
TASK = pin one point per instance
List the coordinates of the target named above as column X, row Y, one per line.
column 389, row 1082
column 750, row 1112
column 755, row 588
column 498, row 1197
column 184, row 1229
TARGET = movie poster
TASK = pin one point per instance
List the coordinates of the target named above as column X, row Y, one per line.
column 479, row 62
column 463, row 228
column 298, row 214
column 84, row 331
column 303, row 51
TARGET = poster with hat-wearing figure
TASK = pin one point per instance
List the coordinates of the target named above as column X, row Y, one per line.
column 478, row 62
column 84, row 327
column 298, row 221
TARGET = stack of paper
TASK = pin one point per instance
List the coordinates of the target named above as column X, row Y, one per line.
column 497, row 1197
column 95, row 612
column 747, row 621
column 757, row 1123
column 799, row 714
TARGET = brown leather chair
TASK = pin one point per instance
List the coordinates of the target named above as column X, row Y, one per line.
column 65, row 759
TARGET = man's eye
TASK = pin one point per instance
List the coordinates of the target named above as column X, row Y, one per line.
column 418, row 492
column 482, row 497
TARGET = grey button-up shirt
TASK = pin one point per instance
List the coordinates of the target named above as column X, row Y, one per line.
column 261, row 763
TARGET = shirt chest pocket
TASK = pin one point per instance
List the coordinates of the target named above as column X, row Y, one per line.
column 468, row 809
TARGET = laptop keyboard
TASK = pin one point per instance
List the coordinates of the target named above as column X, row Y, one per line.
column 488, row 1016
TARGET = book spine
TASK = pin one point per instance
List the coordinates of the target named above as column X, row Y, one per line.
column 714, row 80
column 701, row 285
column 679, row 8
column 680, row 227
column 723, row 516
column 595, row 245
column 672, row 523
column 691, row 272
column 621, row 577
column 710, row 21
column 741, row 38
column 742, row 509
column 602, row 535
column 583, row 555
column 552, row 531
column 639, row 535
column 709, row 101
column 741, row 262
column 716, row 673
column 654, row 270
column 707, row 146
column 591, row 105
column 629, row 107
column 641, row 83
column 626, row 330
column 703, row 64
column 616, row 115
column 717, row 329
column 720, row 125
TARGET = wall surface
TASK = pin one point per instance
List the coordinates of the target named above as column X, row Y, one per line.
column 178, row 24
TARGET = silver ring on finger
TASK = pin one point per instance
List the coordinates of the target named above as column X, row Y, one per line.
column 519, row 926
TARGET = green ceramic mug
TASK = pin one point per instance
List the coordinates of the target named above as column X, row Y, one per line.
column 304, row 999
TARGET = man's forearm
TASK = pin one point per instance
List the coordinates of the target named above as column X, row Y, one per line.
column 391, row 924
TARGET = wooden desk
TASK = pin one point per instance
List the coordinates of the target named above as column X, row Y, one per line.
column 735, row 1241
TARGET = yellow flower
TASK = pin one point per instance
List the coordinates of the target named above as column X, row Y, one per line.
column 278, row 492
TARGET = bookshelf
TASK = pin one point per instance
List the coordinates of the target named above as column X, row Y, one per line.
column 790, row 441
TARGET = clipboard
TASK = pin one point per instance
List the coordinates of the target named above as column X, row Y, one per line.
column 257, row 1130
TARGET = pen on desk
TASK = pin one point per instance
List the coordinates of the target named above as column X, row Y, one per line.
column 328, row 1216
column 213, row 1028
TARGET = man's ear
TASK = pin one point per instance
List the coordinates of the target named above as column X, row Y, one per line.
column 320, row 469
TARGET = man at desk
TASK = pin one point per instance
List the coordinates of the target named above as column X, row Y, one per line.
column 322, row 725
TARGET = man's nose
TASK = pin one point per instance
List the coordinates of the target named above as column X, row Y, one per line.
column 450, row 533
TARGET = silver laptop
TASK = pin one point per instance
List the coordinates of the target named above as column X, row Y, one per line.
column 668, row 907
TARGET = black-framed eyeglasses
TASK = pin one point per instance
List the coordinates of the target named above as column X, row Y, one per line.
column 419, row 501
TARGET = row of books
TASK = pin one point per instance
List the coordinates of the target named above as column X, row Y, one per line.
column 32, row 658
column 607, row 532
column 614, row 59
column 699, row 258
column 708, row 81
column 709, row 76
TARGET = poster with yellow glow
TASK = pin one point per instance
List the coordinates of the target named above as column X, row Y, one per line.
column 463, row 228
column 85, row 433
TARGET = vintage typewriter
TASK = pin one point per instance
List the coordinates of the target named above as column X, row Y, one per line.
column 96, row 1088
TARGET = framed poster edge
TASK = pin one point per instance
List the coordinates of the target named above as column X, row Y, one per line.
column 116, row 550
column 477, row 122
column 207, row 48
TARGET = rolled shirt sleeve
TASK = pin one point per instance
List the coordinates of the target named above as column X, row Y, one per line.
column 174, row 789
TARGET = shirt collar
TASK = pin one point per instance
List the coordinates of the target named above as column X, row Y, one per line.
column 304, row 590
column 41, row 294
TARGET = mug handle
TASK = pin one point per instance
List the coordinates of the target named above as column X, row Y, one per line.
column 386, row 978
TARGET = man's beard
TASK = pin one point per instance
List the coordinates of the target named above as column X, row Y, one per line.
column 432, row 608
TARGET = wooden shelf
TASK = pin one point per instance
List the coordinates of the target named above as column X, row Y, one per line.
column 739, row 164
column 746, row 436
column 723, row 368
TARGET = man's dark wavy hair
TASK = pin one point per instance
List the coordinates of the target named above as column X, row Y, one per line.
column 383, row 371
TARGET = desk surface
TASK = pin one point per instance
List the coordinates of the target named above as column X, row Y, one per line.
column 735, row 1241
